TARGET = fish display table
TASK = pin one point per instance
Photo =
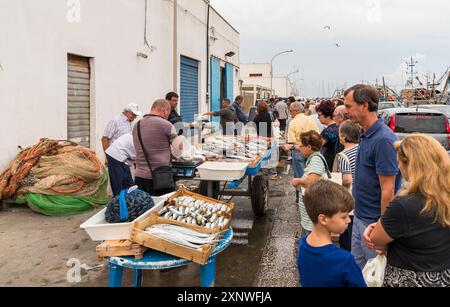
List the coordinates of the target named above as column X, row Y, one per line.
column 257, row 184
column 154, row 260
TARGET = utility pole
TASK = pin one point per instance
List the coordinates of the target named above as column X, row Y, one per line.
column 385, row 90
column 271, row 69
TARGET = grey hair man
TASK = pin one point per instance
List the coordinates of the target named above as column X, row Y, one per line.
column 339, row 116
column 120, row 125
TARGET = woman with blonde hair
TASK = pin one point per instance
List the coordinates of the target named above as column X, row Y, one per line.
column 415, row 228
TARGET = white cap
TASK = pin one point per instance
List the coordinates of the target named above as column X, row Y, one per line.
column 134, row 108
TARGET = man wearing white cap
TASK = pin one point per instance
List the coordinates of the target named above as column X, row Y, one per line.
column 120, row 125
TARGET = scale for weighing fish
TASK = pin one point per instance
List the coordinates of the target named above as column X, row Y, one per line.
column 185, row 169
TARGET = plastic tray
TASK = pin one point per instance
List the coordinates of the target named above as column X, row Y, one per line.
column 99, row 229
column 222, row 171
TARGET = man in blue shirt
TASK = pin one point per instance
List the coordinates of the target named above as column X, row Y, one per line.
column 237, row 107
column 377, row 177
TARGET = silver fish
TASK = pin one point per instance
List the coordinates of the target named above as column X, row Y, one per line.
column 163, row 211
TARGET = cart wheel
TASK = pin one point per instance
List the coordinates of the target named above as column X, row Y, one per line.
column 260, row 195
column 203, row 189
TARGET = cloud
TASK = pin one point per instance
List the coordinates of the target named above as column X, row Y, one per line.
column 374, row 37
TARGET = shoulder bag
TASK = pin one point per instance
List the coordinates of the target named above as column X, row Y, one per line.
column 335, row 177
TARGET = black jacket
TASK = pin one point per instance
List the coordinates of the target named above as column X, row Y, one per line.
column 174, row 117
column 263, row 123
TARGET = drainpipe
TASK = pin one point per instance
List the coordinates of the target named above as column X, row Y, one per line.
column 175, row 45
column 207, row 54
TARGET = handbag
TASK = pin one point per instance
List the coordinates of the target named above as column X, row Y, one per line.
column 373, row 271
column 334, row 177
column 336, row 162
column 162, row 176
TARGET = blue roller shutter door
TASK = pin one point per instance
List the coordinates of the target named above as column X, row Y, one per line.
column 215, row 87
column 229, row 84
column 189, row 89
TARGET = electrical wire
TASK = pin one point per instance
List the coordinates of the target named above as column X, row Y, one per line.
column 145, row 29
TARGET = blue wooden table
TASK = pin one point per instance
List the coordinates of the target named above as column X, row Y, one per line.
column 155, row 260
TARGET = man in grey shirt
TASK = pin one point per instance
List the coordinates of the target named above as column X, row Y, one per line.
column 283, row 112
column 227, row 117
column 157, row 135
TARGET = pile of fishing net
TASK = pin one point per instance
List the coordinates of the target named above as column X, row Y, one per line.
column 56, row 178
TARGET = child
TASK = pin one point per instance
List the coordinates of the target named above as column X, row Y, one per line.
column 320, row 262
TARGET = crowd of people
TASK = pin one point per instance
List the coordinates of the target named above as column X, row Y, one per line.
column 409, row 225
column 365, row 213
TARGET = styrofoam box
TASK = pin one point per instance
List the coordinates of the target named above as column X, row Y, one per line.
column 100, row 230
column 222, row 171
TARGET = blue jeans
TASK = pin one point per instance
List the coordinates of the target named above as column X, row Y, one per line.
column 360, row 251
column 298, row 163
column 345, row 239
column 119, row 175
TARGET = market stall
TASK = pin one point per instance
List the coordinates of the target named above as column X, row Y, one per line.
column 230, row 160
column 175, row 230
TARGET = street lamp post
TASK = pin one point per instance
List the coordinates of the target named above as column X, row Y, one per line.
column 271, row 70
column 288, row 80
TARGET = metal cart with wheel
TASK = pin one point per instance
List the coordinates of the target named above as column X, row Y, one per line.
column 257, row 186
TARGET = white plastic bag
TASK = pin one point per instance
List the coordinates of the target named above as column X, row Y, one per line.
column 373, row 272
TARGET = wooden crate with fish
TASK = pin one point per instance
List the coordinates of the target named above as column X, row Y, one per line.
column 175, row 240
column 195, row 211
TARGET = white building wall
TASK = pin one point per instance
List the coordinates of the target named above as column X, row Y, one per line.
column 36, row 37
column 223, row 39
column 255, row 68
column 192, row 19
column 280, row 85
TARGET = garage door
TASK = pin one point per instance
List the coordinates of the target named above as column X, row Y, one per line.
column 78, row 100
column 189, row 89
column 215, row 87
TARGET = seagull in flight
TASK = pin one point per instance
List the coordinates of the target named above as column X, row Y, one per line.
column 337, row 45
column 327, row 28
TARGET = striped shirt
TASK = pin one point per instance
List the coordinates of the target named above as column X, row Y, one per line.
column 314, row 165
column 117, row 127
column 346, row 165
column 157, row 134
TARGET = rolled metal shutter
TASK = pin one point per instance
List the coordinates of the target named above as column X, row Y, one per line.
column 215, row 88
column 189, row 89
column 229, row 75
column 78, row 100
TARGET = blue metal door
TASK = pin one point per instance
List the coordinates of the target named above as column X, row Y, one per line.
column 189, row 89
column 229, row 81
column 215, row 87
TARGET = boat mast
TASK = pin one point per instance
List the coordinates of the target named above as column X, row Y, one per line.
column 411, row 72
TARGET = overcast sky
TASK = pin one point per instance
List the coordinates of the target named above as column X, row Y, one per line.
column 375, row 38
